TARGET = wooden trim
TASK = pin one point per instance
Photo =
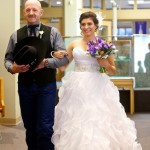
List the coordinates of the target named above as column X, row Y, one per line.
column 2, row 105
column 10, row 121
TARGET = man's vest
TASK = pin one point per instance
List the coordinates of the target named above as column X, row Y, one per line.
column 41, row 76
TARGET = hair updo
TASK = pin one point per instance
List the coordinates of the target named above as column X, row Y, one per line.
column 89, row 14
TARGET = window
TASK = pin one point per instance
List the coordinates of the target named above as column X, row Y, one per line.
column 97, row 4
column 143, row 4
column 124, row 31
column 126, row 5
column 121, row 31
column 109, row 4
column 86, row 4
column 129, row 31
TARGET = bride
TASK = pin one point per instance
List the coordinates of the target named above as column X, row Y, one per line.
column 89, row 115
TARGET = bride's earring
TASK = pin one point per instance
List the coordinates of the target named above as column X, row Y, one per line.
column 96, row 29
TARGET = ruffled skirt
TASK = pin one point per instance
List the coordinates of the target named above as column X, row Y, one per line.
column 89, row 115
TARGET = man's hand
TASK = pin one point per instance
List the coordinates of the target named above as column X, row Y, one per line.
column 40, row 66
column 19, row 68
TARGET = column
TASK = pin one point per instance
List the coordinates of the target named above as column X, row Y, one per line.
column 72, row 11
column 114, row 6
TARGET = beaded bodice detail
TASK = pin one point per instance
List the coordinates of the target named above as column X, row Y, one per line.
column 83, row 62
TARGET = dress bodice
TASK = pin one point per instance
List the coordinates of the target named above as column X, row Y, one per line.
column 83, row 62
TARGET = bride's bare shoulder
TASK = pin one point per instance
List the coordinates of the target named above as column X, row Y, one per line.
column 75, row 43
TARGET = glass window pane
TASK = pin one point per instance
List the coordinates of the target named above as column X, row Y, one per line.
column 126, row 5
column 128, row 31
column 97, row 4
column 86, row 4
column 124, row 31
column 143, row 4
column 141, row 50
column 121, row 31
column 108, row 4
column 127, row 25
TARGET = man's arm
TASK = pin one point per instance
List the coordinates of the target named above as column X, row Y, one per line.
column 57, row 44
column 8, row 60
column 55, row 62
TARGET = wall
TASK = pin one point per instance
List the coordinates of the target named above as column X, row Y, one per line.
column 9, row 23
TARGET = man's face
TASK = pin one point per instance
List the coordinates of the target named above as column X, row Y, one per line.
column 33, row 12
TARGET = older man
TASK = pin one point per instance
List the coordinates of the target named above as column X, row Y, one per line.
column 37, row 88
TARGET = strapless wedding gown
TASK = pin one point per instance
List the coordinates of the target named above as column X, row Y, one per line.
column 89, row 115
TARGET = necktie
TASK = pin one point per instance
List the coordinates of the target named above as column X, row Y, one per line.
column 32, row 29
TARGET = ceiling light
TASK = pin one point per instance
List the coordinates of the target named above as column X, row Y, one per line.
column 58, row 2
column 112, row 1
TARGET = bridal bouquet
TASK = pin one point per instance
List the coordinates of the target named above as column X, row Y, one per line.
column 100, row 49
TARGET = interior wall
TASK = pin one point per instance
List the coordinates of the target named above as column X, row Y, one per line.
column 9, row 23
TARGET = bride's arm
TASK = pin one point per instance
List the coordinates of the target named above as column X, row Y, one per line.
column 108, row 63
column 70, row 57
column 59, row 54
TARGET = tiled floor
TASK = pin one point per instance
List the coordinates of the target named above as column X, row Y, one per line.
column 142, row 123
column 13, row 137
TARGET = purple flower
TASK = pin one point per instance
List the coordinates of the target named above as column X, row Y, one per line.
column 100, row 48
column 99, row 40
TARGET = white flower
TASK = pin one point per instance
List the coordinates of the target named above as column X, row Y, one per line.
column 100, row 20
column 41, row 33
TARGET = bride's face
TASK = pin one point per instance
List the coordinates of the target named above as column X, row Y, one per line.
column 88, row 27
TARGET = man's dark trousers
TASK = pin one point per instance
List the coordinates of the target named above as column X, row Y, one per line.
column 37, row 108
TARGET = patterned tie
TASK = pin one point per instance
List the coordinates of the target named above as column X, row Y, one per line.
column 32, row 29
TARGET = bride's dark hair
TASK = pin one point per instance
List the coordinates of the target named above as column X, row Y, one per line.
column 91, row 15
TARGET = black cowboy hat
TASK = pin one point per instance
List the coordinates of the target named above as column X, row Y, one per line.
column 30, row 50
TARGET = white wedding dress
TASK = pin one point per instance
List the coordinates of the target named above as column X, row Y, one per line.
column 89, row 115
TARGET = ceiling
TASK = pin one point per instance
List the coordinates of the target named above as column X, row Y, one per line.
column 123, row 4
column 47, row 3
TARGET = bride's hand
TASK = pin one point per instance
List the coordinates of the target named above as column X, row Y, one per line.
column 108, row 63
column 60, row 54
column 103, row 62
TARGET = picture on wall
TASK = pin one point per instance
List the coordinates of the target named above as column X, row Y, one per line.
column 141, row 27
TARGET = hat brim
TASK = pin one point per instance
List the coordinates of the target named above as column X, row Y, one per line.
column 22, row 56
